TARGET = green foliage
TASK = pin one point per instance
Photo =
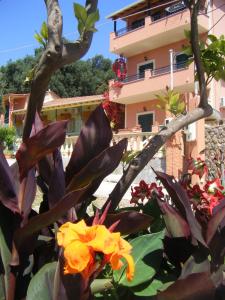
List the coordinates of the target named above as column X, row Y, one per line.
column 5, row 258
column 212, row 55
column 86, row 20
column 7, row 136
column 81, row 78
column 42, row 37
column 171, row 102
column 41, row 285
column 147, row 254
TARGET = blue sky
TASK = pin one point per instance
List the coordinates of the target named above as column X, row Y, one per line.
column 20, row 18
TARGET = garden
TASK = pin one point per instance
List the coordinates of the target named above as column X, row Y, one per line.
column 167, row 244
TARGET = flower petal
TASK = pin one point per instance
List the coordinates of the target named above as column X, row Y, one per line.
column 77, row 256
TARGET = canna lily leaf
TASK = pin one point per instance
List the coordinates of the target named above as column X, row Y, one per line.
column 99, row 167
column 36, row 147
column 198, row 286
column 95, row 137
column 182, row 203
column 147, row 254
column 7, row 189
column 214, row 223
column 27, row 192
column 57, row 181
column 175, row 224
column 128, row 221
column 23, row 235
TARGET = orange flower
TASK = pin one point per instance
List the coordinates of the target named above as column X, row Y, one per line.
column 82, row 242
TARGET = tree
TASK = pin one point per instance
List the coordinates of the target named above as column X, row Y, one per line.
column 81, row 78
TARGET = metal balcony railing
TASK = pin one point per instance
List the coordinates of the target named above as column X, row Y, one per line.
column 170, row 10
column 156, row 72
column 127, row 29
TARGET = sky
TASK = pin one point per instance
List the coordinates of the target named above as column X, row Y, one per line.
column 19, row 19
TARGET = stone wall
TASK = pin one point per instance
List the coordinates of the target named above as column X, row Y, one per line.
column 214, row 147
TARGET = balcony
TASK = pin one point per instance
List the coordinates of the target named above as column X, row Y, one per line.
column 139, row 88
column 153, row 33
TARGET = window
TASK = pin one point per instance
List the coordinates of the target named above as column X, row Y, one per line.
column 145, row 120
column 137, row 23
column 148, row 65
column 181, row 60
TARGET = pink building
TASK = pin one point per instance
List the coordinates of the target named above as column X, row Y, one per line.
column 152, row 40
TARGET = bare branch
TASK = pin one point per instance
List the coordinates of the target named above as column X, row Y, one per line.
column 194, row 9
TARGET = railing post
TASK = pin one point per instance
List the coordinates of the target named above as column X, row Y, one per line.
column 171, row 69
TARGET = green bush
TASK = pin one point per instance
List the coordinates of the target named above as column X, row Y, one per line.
column 7, row 137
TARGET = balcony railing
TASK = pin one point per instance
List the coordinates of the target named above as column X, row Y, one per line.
column 156, row 72
column 156, row 17
column 127, row 29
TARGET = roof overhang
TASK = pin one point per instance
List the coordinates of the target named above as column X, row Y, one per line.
column 62, row 106
column 127, row 10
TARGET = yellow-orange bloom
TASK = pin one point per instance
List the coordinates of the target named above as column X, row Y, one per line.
column 82, row 242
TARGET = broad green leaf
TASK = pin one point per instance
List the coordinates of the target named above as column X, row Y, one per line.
column 80, row 13
column 39, row 39
column 41, row 285
column 2, row 293
column 147, row 255
column 81, row 28
column 6, row 257
column 92, row 19
column 151, row 288
column 44, row 31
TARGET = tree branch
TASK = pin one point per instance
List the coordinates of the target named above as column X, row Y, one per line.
column 53, row 58
column 74, row 51
column 194, row 9
column 204, row 110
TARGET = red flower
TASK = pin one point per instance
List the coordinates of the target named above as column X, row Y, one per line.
column 198, row 166
column 215, row 188
column 144, row 190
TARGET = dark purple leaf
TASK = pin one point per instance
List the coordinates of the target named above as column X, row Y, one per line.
column 95, row 137
column 57, row 181
column 214, row 224
column 98, row 168
column 178, row 250
column 35, row 224
column 16, row 175
column 37, row 125
column 197, row 286
column 46, row 167
column 7, row 188
column 27, row 192
column 38, row 146
column 182, row 203
column 176, row 225
column 129, row 222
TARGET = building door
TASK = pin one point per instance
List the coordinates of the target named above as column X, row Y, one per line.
column 143, row 67
column 146, row 122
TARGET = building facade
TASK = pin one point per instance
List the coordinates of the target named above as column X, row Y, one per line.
column 75, row 109
column 151, row 39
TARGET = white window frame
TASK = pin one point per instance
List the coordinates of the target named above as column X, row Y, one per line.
column 145, row 63
column 146, row 113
